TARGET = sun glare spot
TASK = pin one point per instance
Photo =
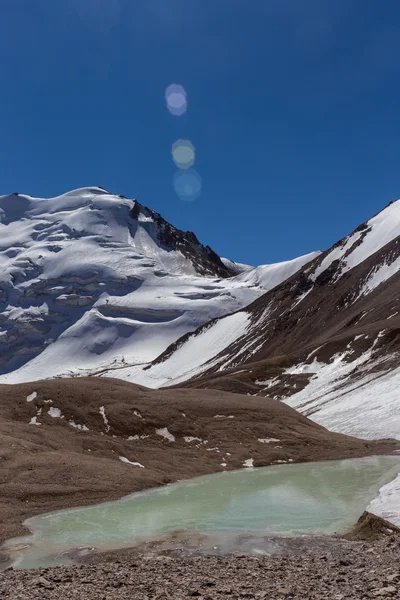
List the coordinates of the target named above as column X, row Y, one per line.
column 187, row 184
column 176, row 98
column 183, row 153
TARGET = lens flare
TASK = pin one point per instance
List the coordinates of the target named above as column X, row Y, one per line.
column 176, row 98
column 183, row 153
column 187, row 184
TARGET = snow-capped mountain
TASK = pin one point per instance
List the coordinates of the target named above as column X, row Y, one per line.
column 91, row 280
column 326, row 340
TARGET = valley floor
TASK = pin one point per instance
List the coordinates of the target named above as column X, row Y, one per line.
column 55, row 465
column 172, row 434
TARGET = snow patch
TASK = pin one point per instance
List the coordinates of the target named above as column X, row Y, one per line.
column 387, row 505
column 78, row 426
column 268, row 440
column 102, row 411
column 129, row 462
column 224, row 417
column 163, row 432
column 335, row 399
column 267, row 383
column 249, row 463
column 34, row 420
column 55, row 413
column 379, row 274
column 31, row 397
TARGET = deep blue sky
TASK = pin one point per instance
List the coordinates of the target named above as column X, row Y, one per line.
column 294, row 110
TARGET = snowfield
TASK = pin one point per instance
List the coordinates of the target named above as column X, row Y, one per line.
column 367, row 407
column 363, row 242
column 192, row 358
column 84, row 286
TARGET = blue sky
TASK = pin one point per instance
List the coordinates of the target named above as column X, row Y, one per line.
column 293, row 108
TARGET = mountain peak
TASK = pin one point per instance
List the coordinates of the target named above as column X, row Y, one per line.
column 105, row 278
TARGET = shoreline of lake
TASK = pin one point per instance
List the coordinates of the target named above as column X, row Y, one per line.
column 233, row 494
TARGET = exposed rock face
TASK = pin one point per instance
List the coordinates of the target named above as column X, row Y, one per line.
column 371, row 527
column 204, row 259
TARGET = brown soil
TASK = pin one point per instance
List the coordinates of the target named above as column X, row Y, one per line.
column 53, row 465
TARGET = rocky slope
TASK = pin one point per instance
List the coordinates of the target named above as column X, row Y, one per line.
column 90, row 280
column 326, row 340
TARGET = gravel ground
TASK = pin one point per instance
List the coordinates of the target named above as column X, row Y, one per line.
column 355, row 571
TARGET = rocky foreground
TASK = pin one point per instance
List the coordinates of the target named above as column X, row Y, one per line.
column 344, row 571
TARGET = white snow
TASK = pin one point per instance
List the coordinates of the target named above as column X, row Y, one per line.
column 105, row 294
column 78, row 426
column 189, row 439
column 34, row 420
column 224, row 417
column 269, row 276
column 268, row 440
column 366, row 407
column 248, row 463
column 387, row 505
column 267, row 383
column 127, row 461
column 194, row 356
column 235, row 267
column 379, row 274
column 55, row 413
column 31, row 397
column 380, row 230
column 102, row 411
column 165, row 434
